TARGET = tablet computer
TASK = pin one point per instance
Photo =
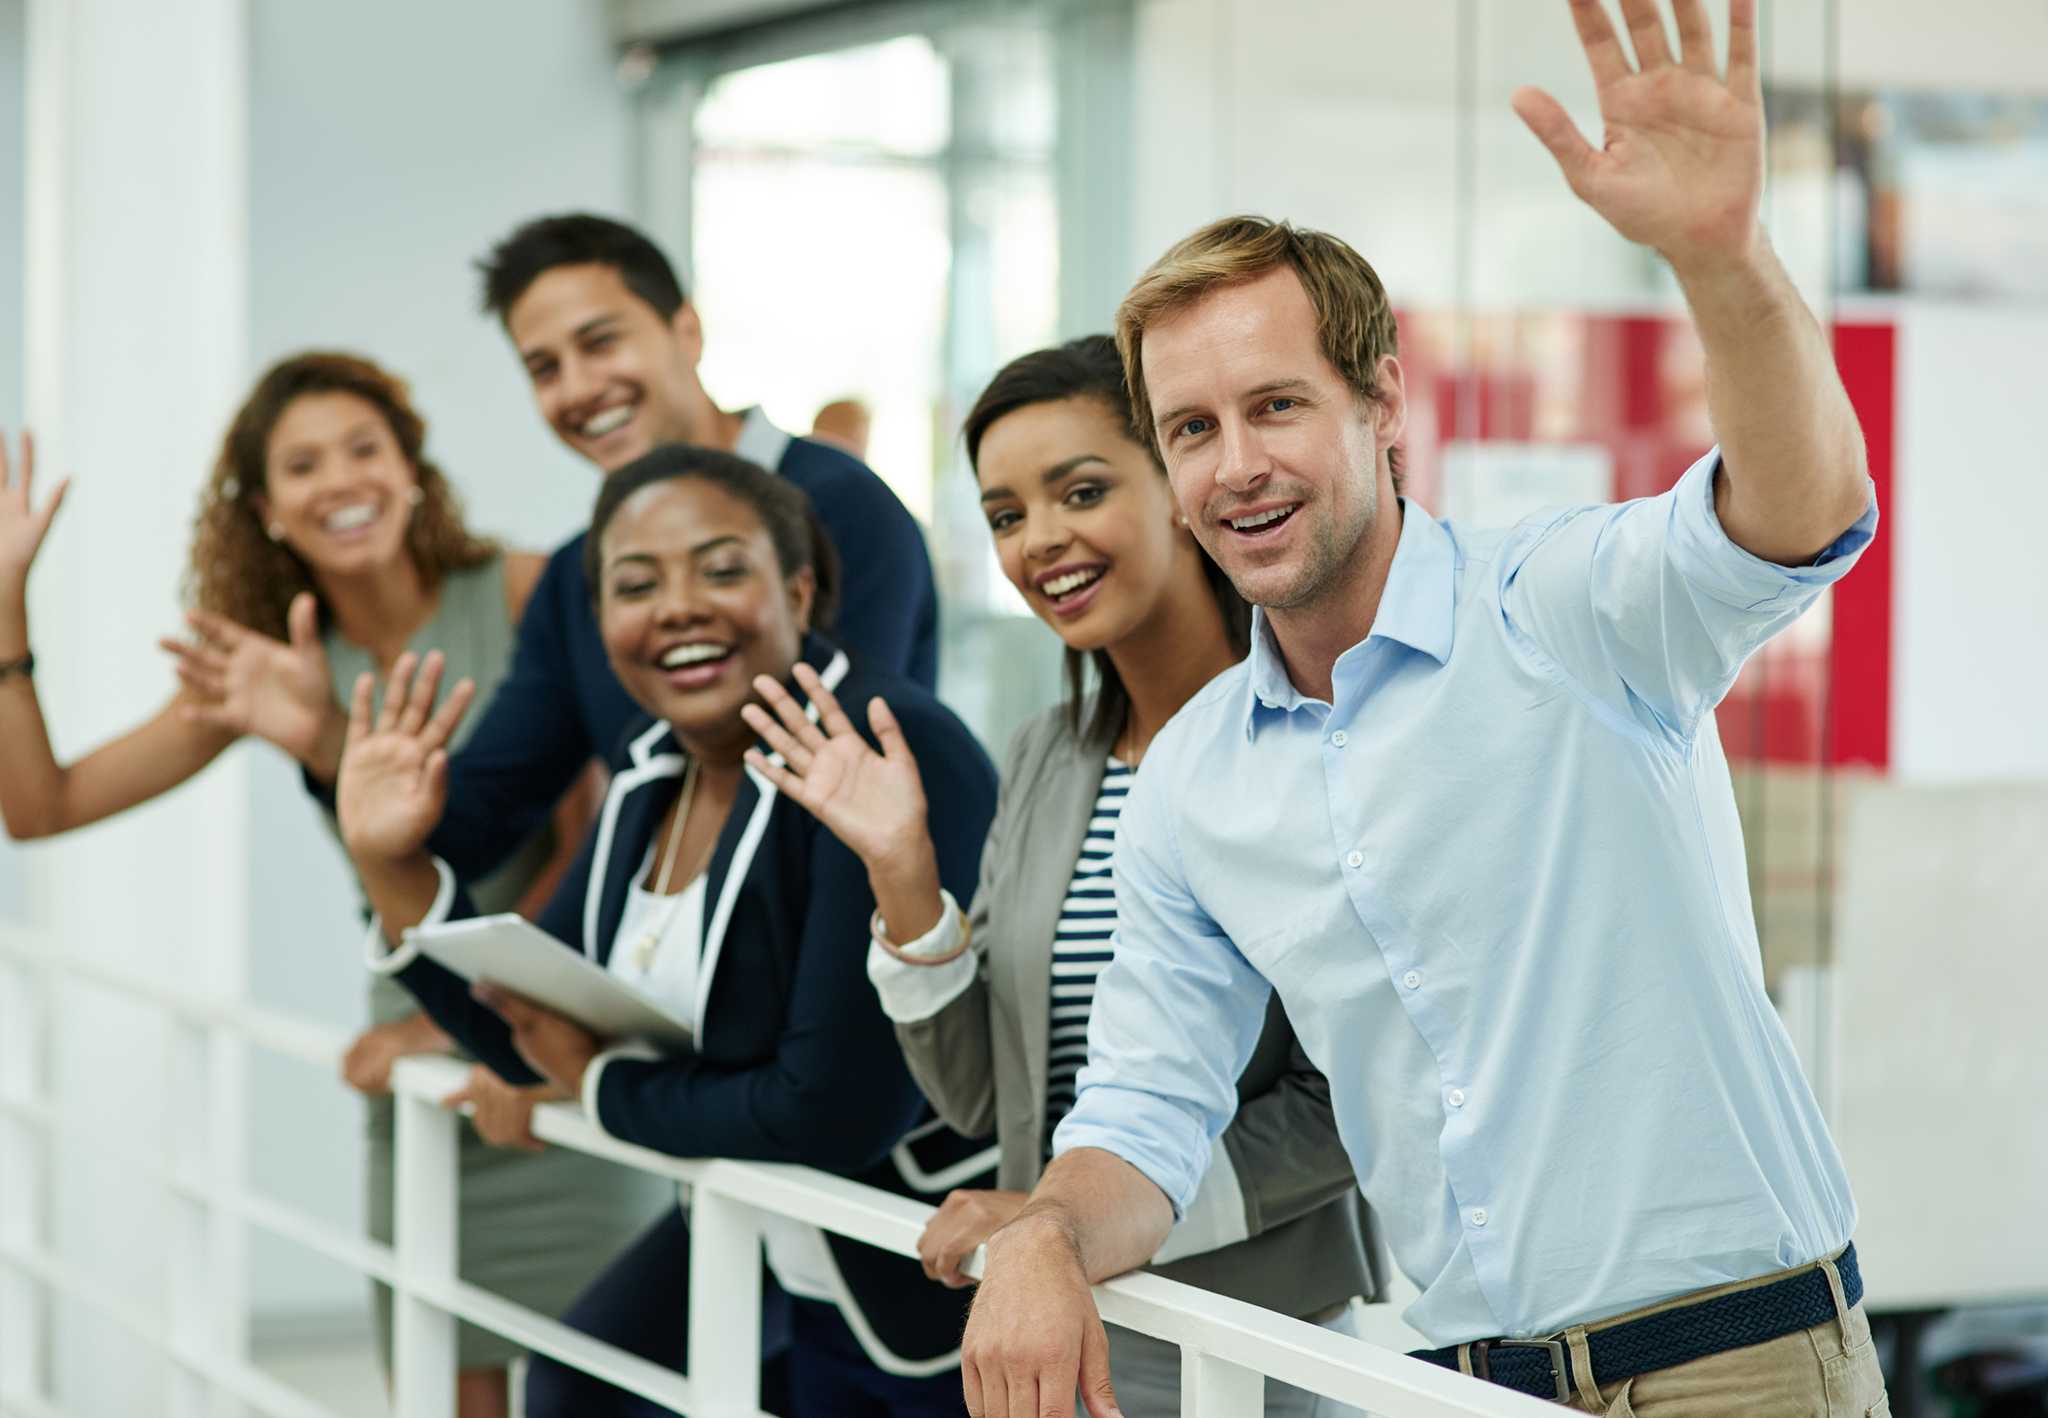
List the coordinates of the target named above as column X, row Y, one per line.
column 511, row 951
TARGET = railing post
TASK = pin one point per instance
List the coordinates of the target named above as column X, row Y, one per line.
column 725, row 1304
column 1215, row 1388
column 205, row 1299
column 24, row 1164
column 423, row 1334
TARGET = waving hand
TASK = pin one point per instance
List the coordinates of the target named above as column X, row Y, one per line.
column 394, row 771
column 1681, row 165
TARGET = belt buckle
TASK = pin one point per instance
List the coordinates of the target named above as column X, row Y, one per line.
column 1560, row 1366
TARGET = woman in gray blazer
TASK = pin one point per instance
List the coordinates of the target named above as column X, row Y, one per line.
column 991, row 1004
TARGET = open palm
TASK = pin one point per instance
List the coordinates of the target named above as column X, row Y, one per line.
column 873, row 802
column 248, row 683
column 394, row 771
column 1681, row 166
column 23, row 525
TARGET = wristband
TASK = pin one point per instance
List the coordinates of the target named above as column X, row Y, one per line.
column 879, row 932
column 25, row 667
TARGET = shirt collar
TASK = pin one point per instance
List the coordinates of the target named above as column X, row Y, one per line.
column 1417, row 608
column 760, row 441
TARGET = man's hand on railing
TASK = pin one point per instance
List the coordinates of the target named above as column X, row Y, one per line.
column 366, row 1067
column 556, row 1048
column 503, row 1114
column 963, row 1222
column 1034, row 1336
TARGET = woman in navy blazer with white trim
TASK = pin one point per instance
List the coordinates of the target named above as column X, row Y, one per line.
column 704, row 886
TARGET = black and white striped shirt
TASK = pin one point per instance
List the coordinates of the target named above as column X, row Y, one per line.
column 1080, row 945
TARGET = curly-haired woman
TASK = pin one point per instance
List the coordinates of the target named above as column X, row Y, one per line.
column 327, row 544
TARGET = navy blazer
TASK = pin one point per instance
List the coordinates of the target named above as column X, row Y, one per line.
column 794, row 1059
column 560, row 706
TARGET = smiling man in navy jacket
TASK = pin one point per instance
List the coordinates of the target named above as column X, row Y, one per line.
column 611, row 343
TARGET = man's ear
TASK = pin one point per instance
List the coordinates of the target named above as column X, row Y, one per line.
column 1389, row 412
column 688, row 331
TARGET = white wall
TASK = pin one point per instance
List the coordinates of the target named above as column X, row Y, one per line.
column 13, row 879
column 390, row 144
column 1970, row 597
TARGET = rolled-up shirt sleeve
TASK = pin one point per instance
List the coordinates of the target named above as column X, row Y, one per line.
column 1649, row 607
column 1177, row 1012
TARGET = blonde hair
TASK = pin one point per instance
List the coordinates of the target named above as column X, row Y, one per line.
column 1354, row 319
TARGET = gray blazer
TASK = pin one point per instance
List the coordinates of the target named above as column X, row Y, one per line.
column 982, row 1059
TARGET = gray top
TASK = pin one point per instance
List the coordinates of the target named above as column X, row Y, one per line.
column 982, row 1058
column 472, row 631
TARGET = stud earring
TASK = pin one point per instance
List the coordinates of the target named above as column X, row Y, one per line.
column 417, row 495
column 276, row 531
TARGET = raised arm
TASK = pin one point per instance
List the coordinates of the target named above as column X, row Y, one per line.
column 40, row 797
column 1681, row 170
column 874, row 802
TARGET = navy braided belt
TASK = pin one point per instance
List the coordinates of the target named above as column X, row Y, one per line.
column 1542, row 1369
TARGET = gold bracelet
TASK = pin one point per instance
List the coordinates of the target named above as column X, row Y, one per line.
column 878, row 931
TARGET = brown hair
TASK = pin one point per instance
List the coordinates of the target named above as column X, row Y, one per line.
column 1087, row 368
column 236, row 569
column 1354, row 319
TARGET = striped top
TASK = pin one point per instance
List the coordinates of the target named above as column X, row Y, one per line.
column 1080, row 945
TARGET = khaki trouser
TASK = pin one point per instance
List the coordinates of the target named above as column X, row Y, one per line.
column 1829, row 1371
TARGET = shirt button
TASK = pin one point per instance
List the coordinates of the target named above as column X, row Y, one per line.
column 1413, row 979
column 1354, row 859
column 1456, row 1097
column 1340, row 738
column 1479, row 1216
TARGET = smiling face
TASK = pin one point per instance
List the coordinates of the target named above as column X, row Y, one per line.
column 612, row 378
column 1277, row 463
column 1083, row 522
column 336, row 484
column 693, row 604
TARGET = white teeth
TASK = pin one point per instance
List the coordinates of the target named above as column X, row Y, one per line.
column 350, row 518
column 1072, row 581
column 609, row 421
column 1246, row 524
column 684, row 655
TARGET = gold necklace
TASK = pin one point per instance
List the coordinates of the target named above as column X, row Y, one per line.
column 649, row 941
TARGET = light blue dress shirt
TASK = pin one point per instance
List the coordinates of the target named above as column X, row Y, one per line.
column 1499, row 884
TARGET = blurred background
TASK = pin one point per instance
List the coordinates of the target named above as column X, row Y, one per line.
column 884, row 200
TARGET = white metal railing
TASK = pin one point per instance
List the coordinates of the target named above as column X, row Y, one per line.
column 1227, row 1346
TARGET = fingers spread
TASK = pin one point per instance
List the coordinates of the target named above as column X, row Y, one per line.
column 359, row 709
column 776, row 737
column 1695, row 36
column 888, row 733
column 1743, row 75
column 1602, row 45
column 786, row 782
column 1554, row 128
column 1646, row 30
column 829, row 713
column 396, row 691
column 420, row 702
column 444, row 724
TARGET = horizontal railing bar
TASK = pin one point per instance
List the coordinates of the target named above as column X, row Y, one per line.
column 1288, row 1349
column 141, row 1161
column 373, row 1259
column 274, row 1030
column 244, row 1380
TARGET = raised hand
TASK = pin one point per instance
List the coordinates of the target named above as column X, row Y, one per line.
column 248, row 683
column 394, row 771
column 873, row 802
column 1681, row 167
column 22, row 524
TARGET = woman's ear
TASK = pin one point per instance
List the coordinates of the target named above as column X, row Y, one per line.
column 260, row 505
column 803, row 593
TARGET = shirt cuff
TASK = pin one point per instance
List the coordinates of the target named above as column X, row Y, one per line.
column 1156, row 1137
column 1707, row 558
column 911, row 994
column 1215, row 1218
column 593, row 1075
column 381, row 956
